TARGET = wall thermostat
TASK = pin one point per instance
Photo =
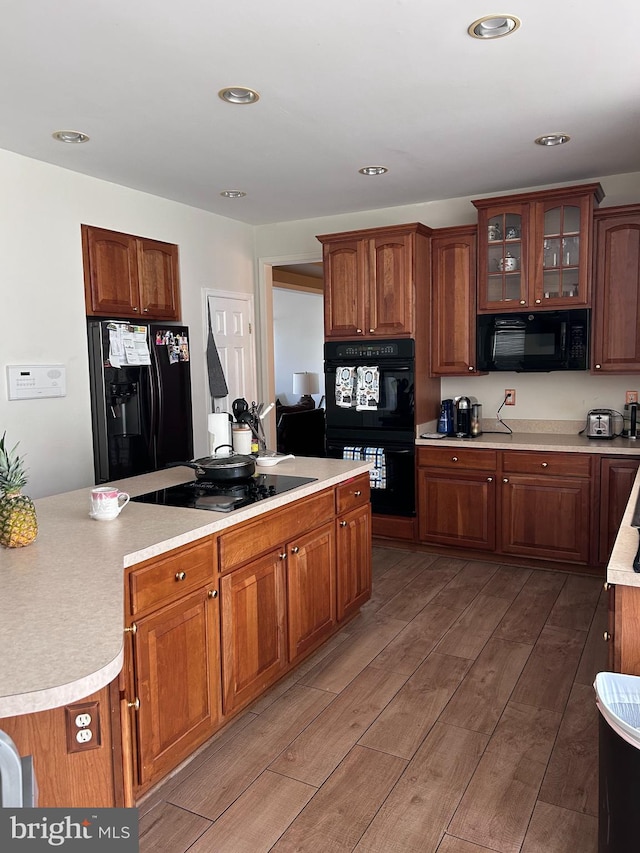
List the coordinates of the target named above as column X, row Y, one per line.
column 31, row 381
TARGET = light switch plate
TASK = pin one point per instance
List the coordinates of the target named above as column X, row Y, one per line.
column 32, row 381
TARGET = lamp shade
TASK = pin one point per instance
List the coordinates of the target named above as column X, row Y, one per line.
column 305, row 384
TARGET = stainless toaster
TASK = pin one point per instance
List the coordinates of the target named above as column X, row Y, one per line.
column 600, row 423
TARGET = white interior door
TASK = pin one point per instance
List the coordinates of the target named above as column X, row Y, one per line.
column 232, row 324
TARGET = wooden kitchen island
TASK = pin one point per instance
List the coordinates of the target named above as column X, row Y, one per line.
column 215, row 608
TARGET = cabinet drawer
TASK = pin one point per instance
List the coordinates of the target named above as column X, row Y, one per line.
column 354, row 493
column 473, row 459
column 546, row 463
column 246, row 541
column 168, row 578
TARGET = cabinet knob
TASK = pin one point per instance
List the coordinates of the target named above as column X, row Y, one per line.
column 371, row 331
column 598, row 366
column 213, row 593
column 471, row 368
column 454, row 458
column 523, row 302
column 505, row 479
column 489, row 479
column 146, row 310
column 135, row 309
column 132, row 630
column 180, row 576
column 607, row 585
column 357, row 493
column 538, row 301
column 135, row 705
column 607, row 636
column 343, row 524
column 545, row 464
column 282, row 556
column 295, row 549
column 359, row 331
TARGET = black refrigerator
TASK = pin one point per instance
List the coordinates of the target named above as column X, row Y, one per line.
column 141, row 412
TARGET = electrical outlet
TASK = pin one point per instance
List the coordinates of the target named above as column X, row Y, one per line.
column 82, row 723
column 631, row 397
column 510, row 396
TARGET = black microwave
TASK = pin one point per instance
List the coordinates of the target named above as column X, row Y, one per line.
column 534, row 341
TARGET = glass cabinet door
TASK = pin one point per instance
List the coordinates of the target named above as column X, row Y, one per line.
column 503, row 240
column 562, row 249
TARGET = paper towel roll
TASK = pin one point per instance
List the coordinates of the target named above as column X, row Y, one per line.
column 219, row 427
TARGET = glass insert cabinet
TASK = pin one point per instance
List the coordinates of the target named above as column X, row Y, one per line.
column 534, row 249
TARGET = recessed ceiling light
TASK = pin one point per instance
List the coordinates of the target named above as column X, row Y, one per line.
column 493, row 26
column 552, row 139
column 233, row 194
column 373, row 170
column 238, row 95
column 72, row 136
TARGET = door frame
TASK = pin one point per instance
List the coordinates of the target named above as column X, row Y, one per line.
column 265, row 339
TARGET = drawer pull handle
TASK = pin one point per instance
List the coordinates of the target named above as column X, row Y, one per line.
column 454, row 458
column 135, row 704
column 132, row 630
column 180, row 576
column 607, row 636
column 343, row 524
column 357, row 493
column 295, row 549
column 213, row 593
column 545, row 464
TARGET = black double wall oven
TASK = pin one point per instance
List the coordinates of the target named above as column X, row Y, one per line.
column 387, row 428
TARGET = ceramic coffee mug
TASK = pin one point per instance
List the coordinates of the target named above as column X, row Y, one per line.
column 107, row 502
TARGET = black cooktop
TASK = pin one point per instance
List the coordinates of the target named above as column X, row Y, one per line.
column 223, row 497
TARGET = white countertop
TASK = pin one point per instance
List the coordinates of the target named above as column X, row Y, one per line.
column 559, row 442
column 62, row 601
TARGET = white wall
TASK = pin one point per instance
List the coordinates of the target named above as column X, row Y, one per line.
column 42, row 300
column 298, row 332
column 555, row 396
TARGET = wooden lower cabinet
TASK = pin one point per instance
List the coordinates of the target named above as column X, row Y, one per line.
column 176, row 665
column 616, row 481
column 546, row 518
column 253, row 609
column 623, row 635
column 521, row 503
column 353, row 548
column 311, row 590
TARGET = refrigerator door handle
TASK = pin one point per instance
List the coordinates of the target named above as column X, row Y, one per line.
column 152, row 380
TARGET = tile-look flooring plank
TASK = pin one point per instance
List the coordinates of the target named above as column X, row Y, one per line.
column 415, row 809
column 258, row 818
column 496, row 807
column 571, row 781
column 556, row 830
column 318, row 750
column 415, row 815
column 468, row 636
column 480, row 700
column 219, row 782
column 345, row 805
column 407, row 603
column 404, row 723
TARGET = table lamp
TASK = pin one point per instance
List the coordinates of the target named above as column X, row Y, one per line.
column 306, row 384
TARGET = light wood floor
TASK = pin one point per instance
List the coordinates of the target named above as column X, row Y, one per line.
column 456, row 714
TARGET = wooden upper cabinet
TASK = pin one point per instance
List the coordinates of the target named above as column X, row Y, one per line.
column 453, row 301
column 534, row 249
column 128, row 276
column 370, row 281
column 616, row 315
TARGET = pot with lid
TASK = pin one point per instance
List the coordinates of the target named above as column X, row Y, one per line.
column 219, row 469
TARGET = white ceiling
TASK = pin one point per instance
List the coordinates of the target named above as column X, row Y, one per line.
column 342, row 84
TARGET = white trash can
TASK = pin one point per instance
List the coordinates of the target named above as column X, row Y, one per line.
column 618, row 700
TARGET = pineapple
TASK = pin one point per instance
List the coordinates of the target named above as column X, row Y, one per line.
column 18, row 523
